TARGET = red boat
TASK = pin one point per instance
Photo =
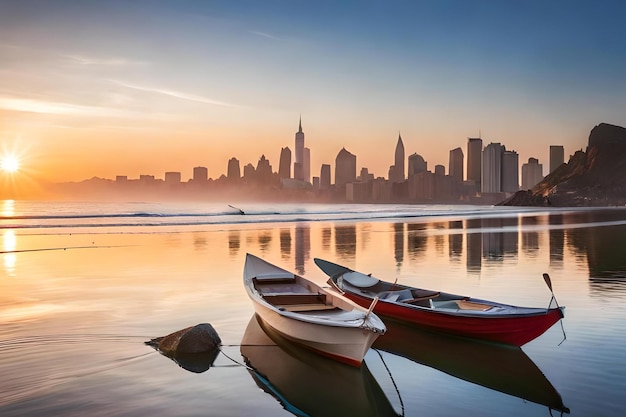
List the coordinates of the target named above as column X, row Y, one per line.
column 444, row 312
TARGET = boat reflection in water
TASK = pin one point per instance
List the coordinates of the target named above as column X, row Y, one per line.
column 504, row 368
column 307, row 384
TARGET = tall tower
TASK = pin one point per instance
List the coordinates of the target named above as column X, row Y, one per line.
column 557, row 155
column 398, row 167
column 492, row 168
column 345, row 168
column 510, row 171
column 284, row 166
column 299, row 173
column 474, row 160
column 456, row 164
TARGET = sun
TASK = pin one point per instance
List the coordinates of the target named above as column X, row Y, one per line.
column 9, row 163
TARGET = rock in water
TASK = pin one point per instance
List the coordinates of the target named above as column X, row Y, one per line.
column 201, row 338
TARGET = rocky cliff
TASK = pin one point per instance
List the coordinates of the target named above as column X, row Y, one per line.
column 595, row 177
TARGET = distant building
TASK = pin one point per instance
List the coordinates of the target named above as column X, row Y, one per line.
column 121, row 178
column 417, row 164
column 306, row 165
column 264, row 170
column 345, row 168
column 234, row 172
column 249, row 173
column 200, row 174
column 172, row 177
column 440, row 170
column 299, row 173
column 456, row 164
column 396, row 171
column 557, row 157
column 284, row 165
column 510, row 171
column 532, row 173
column 491, row 175
column 325, row 177
column 474, row 161
column 365, row 176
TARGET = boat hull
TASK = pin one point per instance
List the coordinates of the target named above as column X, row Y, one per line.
column 344, row 344
column 514, row 330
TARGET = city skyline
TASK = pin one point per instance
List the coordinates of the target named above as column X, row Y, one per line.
column 128, row 88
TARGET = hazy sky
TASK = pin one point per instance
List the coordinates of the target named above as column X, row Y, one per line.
column 105, row 88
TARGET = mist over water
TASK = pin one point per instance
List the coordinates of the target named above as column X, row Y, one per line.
column 83, row 285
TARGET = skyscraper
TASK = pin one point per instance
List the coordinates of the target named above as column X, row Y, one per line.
column 532, row 173
column 557, row 156
column 492, row 168
column 510, row 171
column 455, row 168
column 200, row 174
column 345, row 168
column 396, row 173
column 474, row 160
column 299, row 173
column 233, row 172
column 417, row 164
column 325, row 177
column 306, row 165
column 284, row 166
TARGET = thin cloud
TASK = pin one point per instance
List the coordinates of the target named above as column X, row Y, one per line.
column 111, row 62
column 265, row 35
column 176, row 94
column 52, row 107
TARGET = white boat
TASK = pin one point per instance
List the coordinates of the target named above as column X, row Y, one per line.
column 307, row 314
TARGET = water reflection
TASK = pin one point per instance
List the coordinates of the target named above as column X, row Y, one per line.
column 398, row 243
column 345, row 241
column 234, row 242
column 501, row 368
column 285, row 243
column 474, row 244
column 309, row 384
column 303, row 246
column 9, row 243
column 417, row 240
column 455, row 240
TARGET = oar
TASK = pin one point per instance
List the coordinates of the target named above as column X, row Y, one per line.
column 369, row 311
column 548, row 281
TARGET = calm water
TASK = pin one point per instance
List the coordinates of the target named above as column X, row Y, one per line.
column 82, row 286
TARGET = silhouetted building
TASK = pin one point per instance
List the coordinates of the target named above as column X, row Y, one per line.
column 474, row 161
column 200, row 174
column 456, row 164
column 264, row 170
column 492, row 168
column 396, row 171
column 440, row 170
column 365, row 176
column 306, row 165
column 121, row 178
column 557, row 156
column 284, row 165
column 325, row 177
column 532, row 173
column 299, row 173
column 345, row 168
column 172, row 177
column 510, row 171
column 421, row 186
column 417, row 164
column 234, row 172
column 249, row 173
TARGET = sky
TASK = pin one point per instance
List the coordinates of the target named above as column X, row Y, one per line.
column 93, row 88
